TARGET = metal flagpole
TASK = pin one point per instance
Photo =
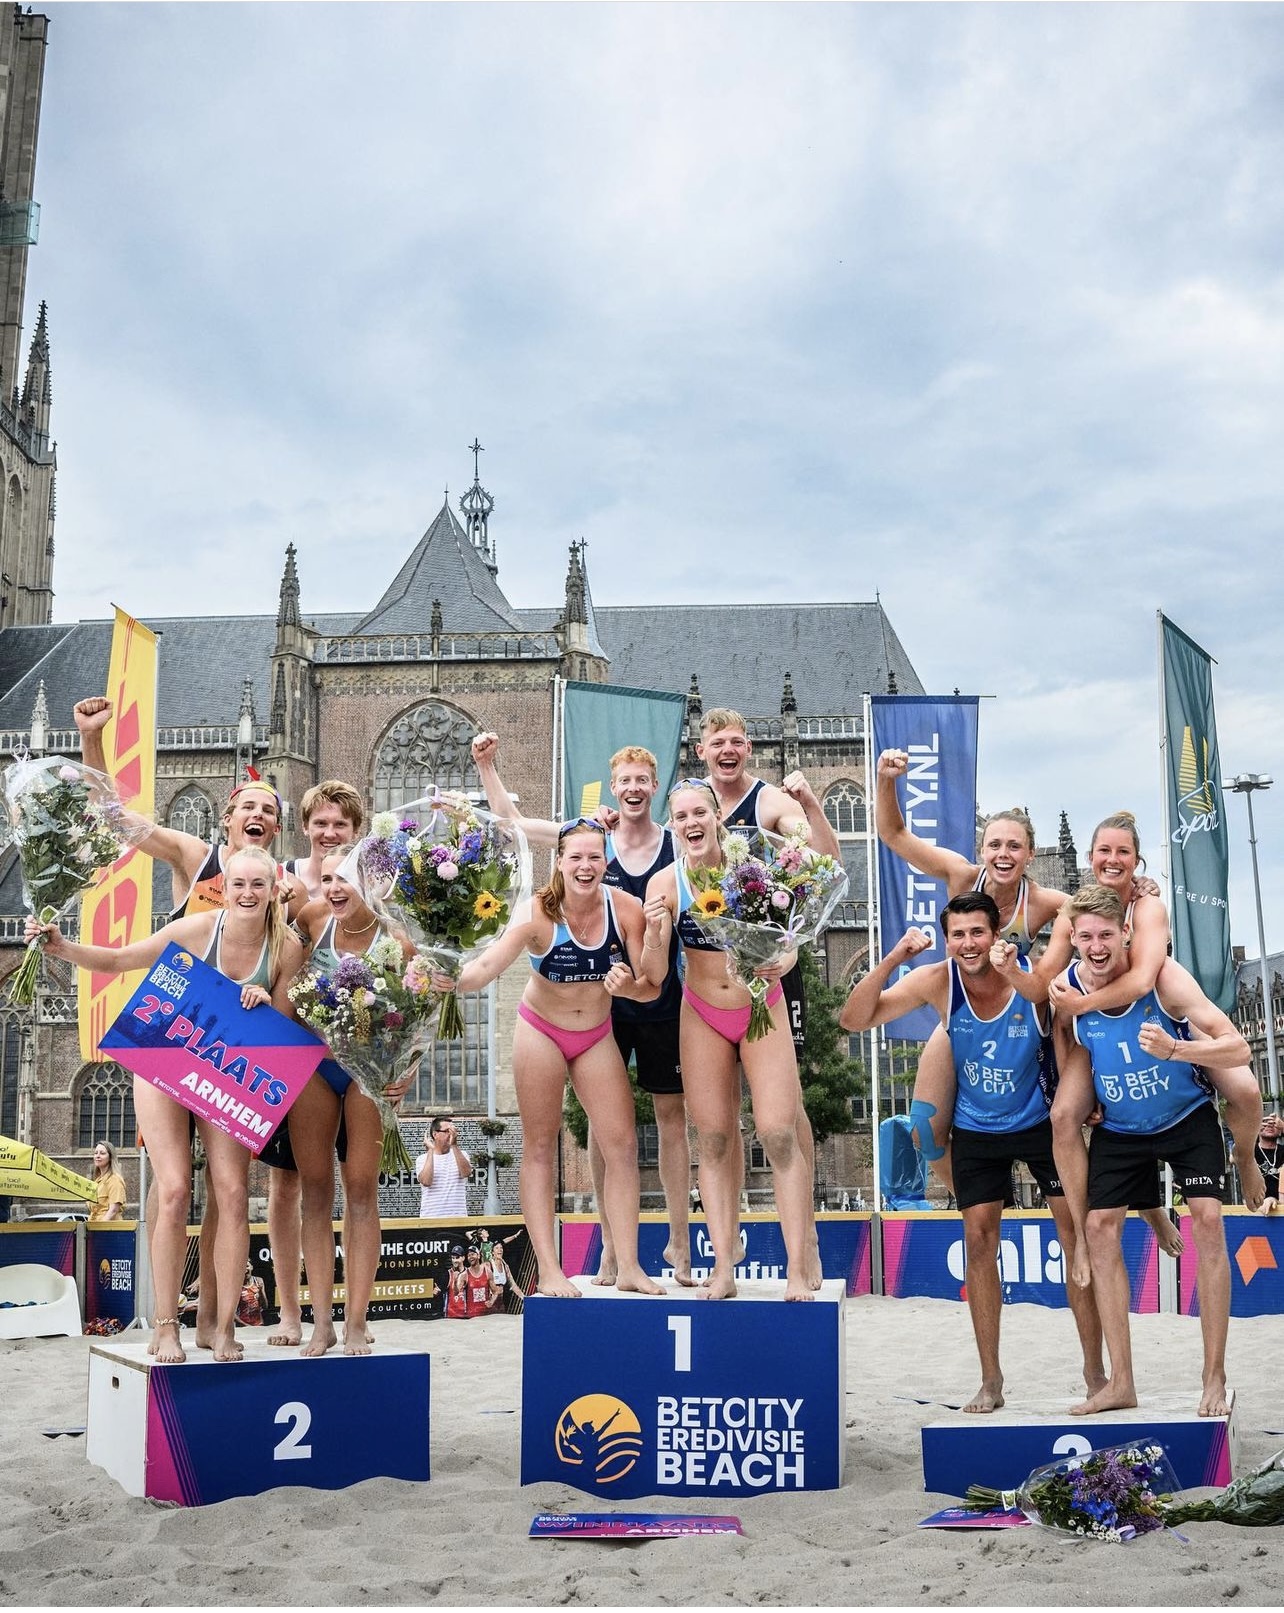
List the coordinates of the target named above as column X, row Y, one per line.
column 872, row 915
column 1168, row 1297
column 142, row 1249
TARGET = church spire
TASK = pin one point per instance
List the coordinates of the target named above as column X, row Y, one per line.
column 576, row 603
column 475, row 506
column 37, row 388
column 287, row 614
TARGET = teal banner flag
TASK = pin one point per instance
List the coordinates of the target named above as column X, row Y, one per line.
column 597, row 720
column 1198, row 855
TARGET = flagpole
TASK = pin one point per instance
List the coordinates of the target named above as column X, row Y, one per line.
column 559, row 698
column 873, row 919
column 1169, row 1300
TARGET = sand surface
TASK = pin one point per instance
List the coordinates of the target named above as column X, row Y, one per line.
column 69, row 1536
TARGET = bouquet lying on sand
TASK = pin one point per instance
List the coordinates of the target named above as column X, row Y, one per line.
column 375, row 1013
column 1126, row 1491
column 448, row 874
column 69, row 827
column 762, row 904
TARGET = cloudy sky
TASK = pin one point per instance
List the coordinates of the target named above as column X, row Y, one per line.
column 978, row 307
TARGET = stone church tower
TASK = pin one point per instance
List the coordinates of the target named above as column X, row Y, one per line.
column 27, row 456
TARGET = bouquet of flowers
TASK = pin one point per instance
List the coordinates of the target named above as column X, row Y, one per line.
column 68, row 825
column 374, row 1013
column 763, row 903
column 450, row 875
column 1114, row 1494
column 1256, row 1500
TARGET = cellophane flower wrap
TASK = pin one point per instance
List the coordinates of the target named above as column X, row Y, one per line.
column 450, row 875
column 1256, row 1501
column 1113, row 1494
column 765, row 901
column 375, row 1013
column 69, row 827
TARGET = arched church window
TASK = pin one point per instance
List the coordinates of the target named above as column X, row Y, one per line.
column 845, row 808
column 105, row 1107
column 192, row 812
column 429, row 745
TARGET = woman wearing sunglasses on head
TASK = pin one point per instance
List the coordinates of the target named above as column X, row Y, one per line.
column 579, row 936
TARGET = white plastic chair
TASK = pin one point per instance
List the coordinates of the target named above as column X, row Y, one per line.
column 38, row 1302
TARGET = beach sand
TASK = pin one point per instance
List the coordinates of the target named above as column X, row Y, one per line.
column 71, row 1537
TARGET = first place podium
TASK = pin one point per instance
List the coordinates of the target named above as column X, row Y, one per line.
column 204, row 1431
column 626, row 1396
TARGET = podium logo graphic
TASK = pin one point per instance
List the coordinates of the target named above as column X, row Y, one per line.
column 601, row 1433
column 704, row 1244
column 1253, row 1255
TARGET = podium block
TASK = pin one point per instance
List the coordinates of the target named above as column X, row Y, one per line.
column 205, row 1431
column 626, row 1396
column 1003, row 1448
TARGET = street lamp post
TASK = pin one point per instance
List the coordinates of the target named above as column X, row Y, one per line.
column 1244, row 784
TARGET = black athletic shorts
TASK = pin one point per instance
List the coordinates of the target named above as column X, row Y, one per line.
column 280, row 1156
column 796, row 1002
column 983, row 1162
column 653, row 1045
column 1123, row 1166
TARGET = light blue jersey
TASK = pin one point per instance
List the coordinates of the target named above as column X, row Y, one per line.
column 1137, row 1091
column 1002, row 1064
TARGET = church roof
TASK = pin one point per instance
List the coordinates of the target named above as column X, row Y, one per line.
column 444, row 566
column 740, row 653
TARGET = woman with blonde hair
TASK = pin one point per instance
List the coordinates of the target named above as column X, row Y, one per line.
column 579, row 936
column 110, row 1203
column 248, row 941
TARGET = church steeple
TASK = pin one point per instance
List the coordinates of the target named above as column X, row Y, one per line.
column 475, row 506
column 37, row 389
column 287, row 614
column 576, row 605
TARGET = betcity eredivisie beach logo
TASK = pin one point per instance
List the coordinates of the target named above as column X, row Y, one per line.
column 599, row 1433
column 1196, row 797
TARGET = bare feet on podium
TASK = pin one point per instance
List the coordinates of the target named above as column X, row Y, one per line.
column 323, row 1338
column 800, row 1285
column 678, row 1255
column 226, row 1347
column 989, row 1397
column 1216, row 1401
column 719, row 1284
column 557, row 1285
column 356, row 1339
column 1167, row 1235
column 1118, row 1396
column 287, row 1332
column 608, row 1269
column 813, row 1271
column 1252, row 1183
column 633, row 1280
column 165, row 1347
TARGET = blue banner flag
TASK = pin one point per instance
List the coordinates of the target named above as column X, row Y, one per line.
column 598, row 720
column 938, row 733
column 1195, row 816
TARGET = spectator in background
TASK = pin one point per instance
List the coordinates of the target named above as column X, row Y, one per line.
column 1267, row 1153
column 110, row 1204
column 442, row 1171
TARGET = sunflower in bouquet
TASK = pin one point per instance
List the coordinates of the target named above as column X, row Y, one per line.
column 762, row 903
column 448, row 873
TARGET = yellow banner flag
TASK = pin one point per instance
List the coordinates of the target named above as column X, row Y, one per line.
column 119, row 911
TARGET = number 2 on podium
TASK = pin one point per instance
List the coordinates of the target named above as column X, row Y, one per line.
column 680, row 1327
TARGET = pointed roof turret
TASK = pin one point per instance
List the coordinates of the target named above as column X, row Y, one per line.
column 37, row 387
column 444, row 565
column 788, row 705
column 576, row 606
column 287, row 612
column 476, row 505
column 39, row 734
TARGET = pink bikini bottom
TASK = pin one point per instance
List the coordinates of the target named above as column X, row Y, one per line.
column 570, row 1044
column 731, row 1024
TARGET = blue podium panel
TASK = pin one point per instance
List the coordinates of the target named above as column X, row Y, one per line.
column 205, row 1431
column 1003, row 1448
column 626, row 1396
column 1255, row 1244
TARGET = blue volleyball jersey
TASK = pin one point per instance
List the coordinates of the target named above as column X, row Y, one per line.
column 668, row 1005
column 687, row 928
column 1138, row 1092
column 566, row 962
column 1002, row 1064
